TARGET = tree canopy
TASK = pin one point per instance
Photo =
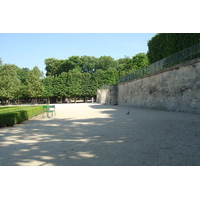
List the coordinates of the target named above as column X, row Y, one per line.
column 77, row 76
column 81, row 76
column 9, row 83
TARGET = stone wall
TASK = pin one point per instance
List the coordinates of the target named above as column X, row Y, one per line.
column 102, row 95
column 174, row 89
column 112, row 95
column 108, row 96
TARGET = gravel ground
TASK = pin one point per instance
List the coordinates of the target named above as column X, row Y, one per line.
column 101, row 135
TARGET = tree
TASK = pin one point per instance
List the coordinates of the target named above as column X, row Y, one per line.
column 99, row 78
column 111, row 76
column 86, row 86
column 124, row 66
column 9, row 83
column 37, row 72
column 128, row 65
column 85, row 74
column 22, row 74
column 48, row 83
column 88, row 64
column 53, row 66
column 60, row 85
column 73, row 62
column 106, row 62
column 32, row 86
column 74, row 83
column 139, row 61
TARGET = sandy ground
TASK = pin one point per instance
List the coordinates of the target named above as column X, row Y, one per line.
column 101, row 135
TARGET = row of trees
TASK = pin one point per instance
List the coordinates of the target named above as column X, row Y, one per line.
column 17, row 83
column 81, row 76
column 91, row 64
column 75, row 77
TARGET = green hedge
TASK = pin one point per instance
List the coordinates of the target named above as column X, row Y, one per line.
column 165, row 44
column 10, row 118
column 12, row 108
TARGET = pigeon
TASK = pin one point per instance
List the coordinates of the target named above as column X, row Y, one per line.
column 128, row 113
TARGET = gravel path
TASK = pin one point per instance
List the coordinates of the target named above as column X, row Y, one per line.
column 101, row 135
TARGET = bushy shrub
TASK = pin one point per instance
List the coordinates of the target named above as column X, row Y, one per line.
column 7, row 119
column 33, row 111
column 165, row 44
column 10, row 118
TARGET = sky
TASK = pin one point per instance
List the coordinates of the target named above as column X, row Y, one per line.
column 31, row 49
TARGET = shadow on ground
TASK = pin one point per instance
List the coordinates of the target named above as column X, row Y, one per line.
column 112, row 138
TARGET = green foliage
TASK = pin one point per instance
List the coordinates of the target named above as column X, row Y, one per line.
column 77, row 76
column 106, row 62
column 22, row 74
column 73, row 62
column 139, row 61
column 88, row 64
column 60, row 85
column 81, row 63
column 98, row 78
column 48, row 84
column 128, row 65
column 87, row 86
column 166, row 44
column 32, row 86
column 111, row 76
column 74, row 83
column 83, row 75
column 9, row 83
column 33, row 111
column 18, row 83
column 9, row 117
column 52, row 66
column 11, row 108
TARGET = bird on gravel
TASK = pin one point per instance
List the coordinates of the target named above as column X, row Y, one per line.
column 128, row 113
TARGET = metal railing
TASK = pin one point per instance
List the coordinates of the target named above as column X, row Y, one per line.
column 182, row 56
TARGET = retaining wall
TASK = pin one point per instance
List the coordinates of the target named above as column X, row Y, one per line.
column 175, row 89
